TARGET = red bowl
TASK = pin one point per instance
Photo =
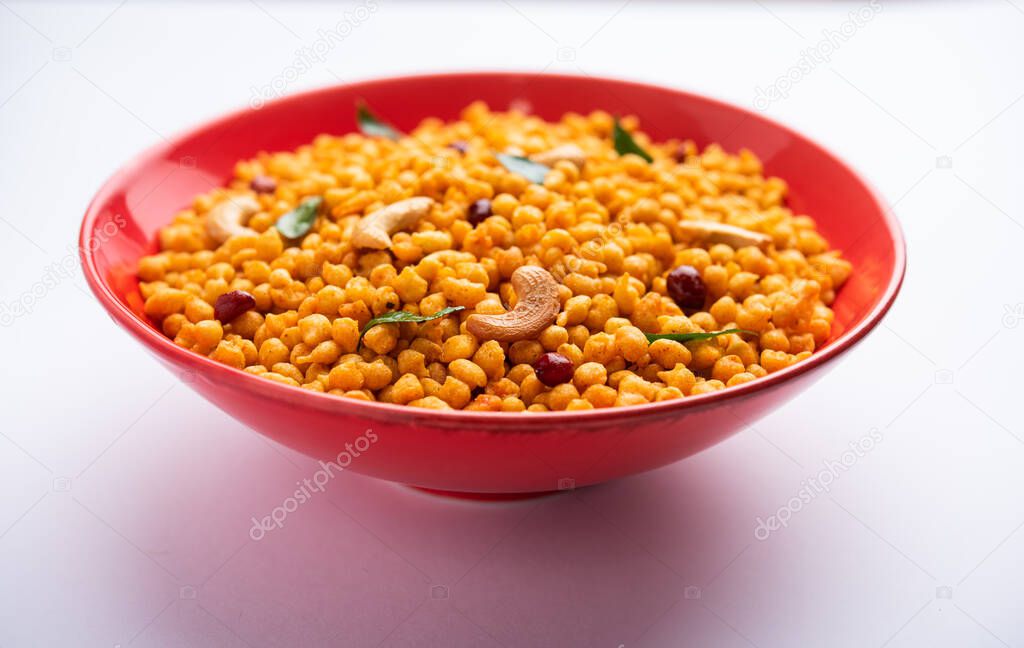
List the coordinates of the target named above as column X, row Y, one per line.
column 484, row 452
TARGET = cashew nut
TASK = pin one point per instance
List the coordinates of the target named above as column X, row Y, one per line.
column 569, row 152
column 735, row 237
column 228, row 217
column 374, row 230
column 536, row 309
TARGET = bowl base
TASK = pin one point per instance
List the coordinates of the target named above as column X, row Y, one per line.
column 482, row 497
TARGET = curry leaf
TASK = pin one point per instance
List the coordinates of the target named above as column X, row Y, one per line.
column 532, row 171
column 396, row 317
column 298, row 221
column 370, row 125
column 624, row 143
column 691, row 337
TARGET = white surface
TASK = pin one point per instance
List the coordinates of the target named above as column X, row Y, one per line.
column 125, row 499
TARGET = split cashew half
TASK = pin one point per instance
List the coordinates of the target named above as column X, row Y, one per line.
column 374, row 230
column 228, row 217
column 569, row 152
column 735, row 237
column 536, row 308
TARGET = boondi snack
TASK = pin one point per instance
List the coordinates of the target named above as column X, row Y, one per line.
column 499, row 263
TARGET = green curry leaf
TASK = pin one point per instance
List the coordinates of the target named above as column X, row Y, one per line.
column 691, row 337
column 298, row 221
column 396, row 317
column 372, row 126
column 532, row 171
column 624, row 143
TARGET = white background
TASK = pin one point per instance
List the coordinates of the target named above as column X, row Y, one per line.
column 125, row 499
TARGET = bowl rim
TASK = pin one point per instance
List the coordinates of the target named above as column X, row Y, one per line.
column 296, row 396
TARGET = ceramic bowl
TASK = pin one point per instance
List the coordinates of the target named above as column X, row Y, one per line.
column 476, row 452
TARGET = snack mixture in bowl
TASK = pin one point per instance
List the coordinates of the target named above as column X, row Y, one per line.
column 497, row 263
